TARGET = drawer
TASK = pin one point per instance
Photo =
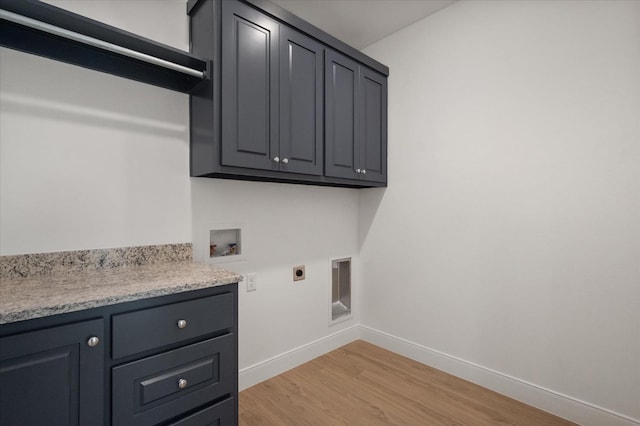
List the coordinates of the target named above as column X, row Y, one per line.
column 220, row 414
column 152, row 328
column 157, row 388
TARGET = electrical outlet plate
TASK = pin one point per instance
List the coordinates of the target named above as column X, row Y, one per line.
column 298, row 273
column 252, row 282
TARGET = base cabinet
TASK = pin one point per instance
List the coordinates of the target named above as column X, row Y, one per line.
column 220, row 414
column 53, row 376
column 165, row 360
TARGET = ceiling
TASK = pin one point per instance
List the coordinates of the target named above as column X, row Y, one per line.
column 361, row 23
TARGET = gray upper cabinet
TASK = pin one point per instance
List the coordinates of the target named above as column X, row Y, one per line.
column 373, row 126
column 342, row 109
column 356, row 120
column 272, row 94
column 250, row 88
column 301, row 105
column 286, row 102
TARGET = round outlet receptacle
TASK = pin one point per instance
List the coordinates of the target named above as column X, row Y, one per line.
column 298, row 273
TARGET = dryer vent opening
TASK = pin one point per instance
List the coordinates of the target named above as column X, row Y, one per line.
column 340, row 288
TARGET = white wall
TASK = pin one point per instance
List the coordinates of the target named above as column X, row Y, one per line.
column 90, row 160
column 282, row 226
column 513, row 209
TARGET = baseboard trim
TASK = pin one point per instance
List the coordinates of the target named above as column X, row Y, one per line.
column 278, row 364
column 564, row 406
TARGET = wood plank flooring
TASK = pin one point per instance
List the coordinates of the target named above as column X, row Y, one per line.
column 362, row 384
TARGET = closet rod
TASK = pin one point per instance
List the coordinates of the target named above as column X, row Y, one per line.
column 51, row 29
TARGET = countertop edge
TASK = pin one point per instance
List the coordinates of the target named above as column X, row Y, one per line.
column 35, row 297
column 46, row 311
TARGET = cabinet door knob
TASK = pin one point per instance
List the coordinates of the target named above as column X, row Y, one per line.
column 182, row 323
column 358, row 171
column 182, row 383
column 93, row 341
column 276, row 159
column 285, row 160
column 364, row 171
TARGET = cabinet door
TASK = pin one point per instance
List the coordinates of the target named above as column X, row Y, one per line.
column 341, row 121
column 373, row 126
column 220, row 414
column 53, row 377
column 301, row 101
column 249, row 88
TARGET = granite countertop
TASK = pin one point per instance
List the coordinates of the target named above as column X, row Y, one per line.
column 23, row 298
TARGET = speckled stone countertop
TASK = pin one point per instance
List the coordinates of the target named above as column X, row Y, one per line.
column 40, row 295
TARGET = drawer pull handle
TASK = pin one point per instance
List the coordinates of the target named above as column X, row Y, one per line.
column 93, row 341
column 182, row 383
column 182, row 323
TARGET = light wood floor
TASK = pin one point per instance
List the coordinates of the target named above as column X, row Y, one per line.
column 362, row 384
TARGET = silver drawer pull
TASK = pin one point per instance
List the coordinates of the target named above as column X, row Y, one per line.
column 182, row 383
column 182, row 323
column 93, row 341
